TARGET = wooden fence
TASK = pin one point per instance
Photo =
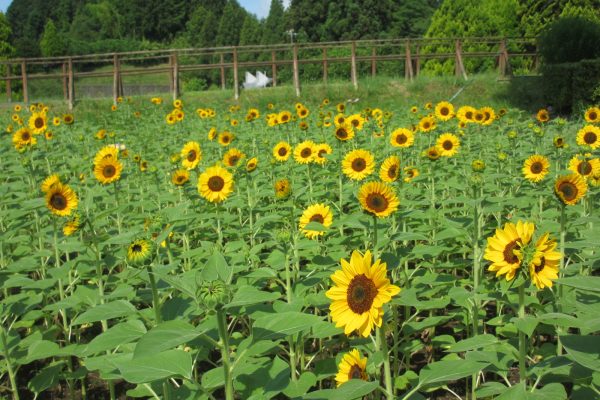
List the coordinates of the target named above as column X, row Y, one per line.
column 411, row 52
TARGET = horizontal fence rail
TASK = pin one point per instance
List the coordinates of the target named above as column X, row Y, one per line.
column 412, row 53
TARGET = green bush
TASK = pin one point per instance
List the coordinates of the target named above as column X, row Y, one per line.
column 569, row 86
column 570, row 39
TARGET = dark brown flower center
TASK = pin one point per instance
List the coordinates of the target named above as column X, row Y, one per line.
column 410, row 173
column 233, row 160
column 359, row 164
column 341, row 133
column 536, row 167
column 377, row 202
column 469, row 115
column 109, row 171
column 539, row 268
column 191, row 156
column 508, row 253
column 393, row 172
column 401, row 138
column 38, row 123
column 444, row 111
column 590, row 137
column 355, row 123
column 136, row 248
column 317, row 218
column 306, row 152
column 592, row 115
column 58, row 201
column 584, row 168
column 282, row 151
column 447, row 145
column 568, row 190
column 225, row 139
column 426, row 125
column 216, row 183
column 361, row 293
column 355, row 372
column 25, row 136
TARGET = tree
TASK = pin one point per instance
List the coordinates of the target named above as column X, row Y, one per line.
column 51, row 43
column 411, row 18
column 201, row 28
column 251, row 32
column 274, row 31
column 308, row 16
column 96, row 22
column 6, row 49
column 230, row 24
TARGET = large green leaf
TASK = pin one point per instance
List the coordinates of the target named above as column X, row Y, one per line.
column 449, row 370
column 353, row 389
column 165, row 336
column 249, row 295
column 584, row 350
column 271, row 327
column 473, row 343
column 153, row 367
column 116, row 336
column 591, row 283
column 115, row 309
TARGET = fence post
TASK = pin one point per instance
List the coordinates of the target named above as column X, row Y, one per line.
column 373, row 63
column 273, row 68
column 296, row 72
column 8, row 83
column 175, row 76
column 459, row 68
column 24, row 80
column 222, row 68
column 115, row 78
column 70, row 83
column 408, row 69
column 236, row 88
column 503, row 62
column 353, row 66
column 325, row 65
column 418, row 61
column 64, row 79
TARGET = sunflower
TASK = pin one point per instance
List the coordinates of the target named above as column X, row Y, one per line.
column 339, row 119
column 304, row 152
column 378, row 198
column 341, row 107
column 536, row 168
column 38, row 123
column 251, row 164
column 177, row 103
column 225, row 138
column 253, row 114
column 592, row 115
column 444, row 111
column 23, row 137
column 71, row 226
column 448, row 144
column 284, row 117
column 212, row 133
column 48, row 135
column 49, row 182
column 282, row 188
column 410, row 173
column 315, row 213
column 543, row 268
column 466, row 114
column 17, row 108
column 68, row 119
column 390, row 169
column 503, row 248
column 356, row 121
column 584, row 167
column 143, row 165
column 61, row 200
column 56, row 121
column 589, row 136
column 303, row 125
column 361, row 290
column 344, row 132
column 302, row 112
column 489, row 115
column 282, row 151
column 108, row 170
column 433, row 153
column 427, row 124
column 542, row 115
column 321, row 151
column 113, row 108
column 352, row 366
column 215, row 184
column 402, row 137
column 180, row 177
column 358, row 164
column 570, row 188
column 139, row 251
column 232, row 157
column 559, row 142
column 109, row 151
column 595, row 180
column 414, row 109
column 171, row 119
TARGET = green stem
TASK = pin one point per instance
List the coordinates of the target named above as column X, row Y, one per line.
column 222, row 325
column 375, row 254
column 387, row 371
column 522, row 339
column 155, row 298
column 9, row 367
column 563, row 234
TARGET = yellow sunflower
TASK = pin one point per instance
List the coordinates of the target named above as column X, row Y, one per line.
column 448, row 144
column 358, row 164
column 542, row 115
column 251, row 164
column 139, row 251
column 38, row 123
column 585, row 167
column 344, row 132
column 68, row 119
column 444, row 111
column 284, row 117
column 589, row 136
column 212, row 133
column 71, row 226
column 378, row 199
column 535, row 168
column 592, row 115
column 503, row 248
column 466, row 114
column 356, row 121
column 282, row 188
column 108, row 170
column 410, row 173
column 570, row 188
column 48, row 135
column 225, row 138
column 402, row 137
column 191, row 154
column 433, row 153
column 49, row 182
column 489, row 115
column 61, row 200
column 390, row 169
column 282, row 151
column 427, row 124
column 302, row 112
column 23, row 137
column 362, row 288
column 315, row 213
column 304, row 152
column 215, row 184
column 352, row 366
column 180, row 177
column 543, row 268
column 341, row 107
column 232, row 157
column 559, row 142
column 322, row 150
column 109, row 151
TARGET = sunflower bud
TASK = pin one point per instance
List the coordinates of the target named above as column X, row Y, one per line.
column 478, row 165
column 213, row 295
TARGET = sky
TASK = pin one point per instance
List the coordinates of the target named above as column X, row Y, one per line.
column 260, row 8
column 5, row 3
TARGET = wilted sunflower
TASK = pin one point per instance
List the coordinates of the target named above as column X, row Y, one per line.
column 68, row 119
column 315, row 213
column 543, row 268
column 251, row 164
column 352, row 366
column 444, row 111
column 282, row 188
column 448, row 144
column 23, row 137
column 215, row 184
column 108, row 170
column 232, row 157
column 358, row 164
column 589, row 136
column 427, row 124
column 585, row 167
column 536, row 167
column 592, row 115
column 139, row 251
column 410, row 173
column 180, row 177
column 38, row 123
column 61, row 200
column 282, row 151
column 225, row 138
column 344, row 132
column 503, row 248
column 321, row 150
column 378, row 199
column 402, row 137
column 570, row 188
column 361, row 290
column 49, row 182
column 304, row 152
column 542, row 115
column 71, row 226
column 390, row 169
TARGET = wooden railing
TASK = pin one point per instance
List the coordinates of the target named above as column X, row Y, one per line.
column 412, row 52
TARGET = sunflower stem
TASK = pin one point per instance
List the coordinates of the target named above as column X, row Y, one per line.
column 222, row 325
column 387, row 371
column 522, row 339
column 155, row 298
column 375, row 254
column 9, row 365
column 563, row 235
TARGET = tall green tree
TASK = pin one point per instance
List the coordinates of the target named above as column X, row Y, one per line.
column 95, row 21
column 274, row 30
column 251, row 32
column 230, row 24
column 6, row 49
column 52, row 43
column 411, row 18
column 308, row 17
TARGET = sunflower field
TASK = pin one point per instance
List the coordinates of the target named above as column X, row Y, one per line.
column 323, row 249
